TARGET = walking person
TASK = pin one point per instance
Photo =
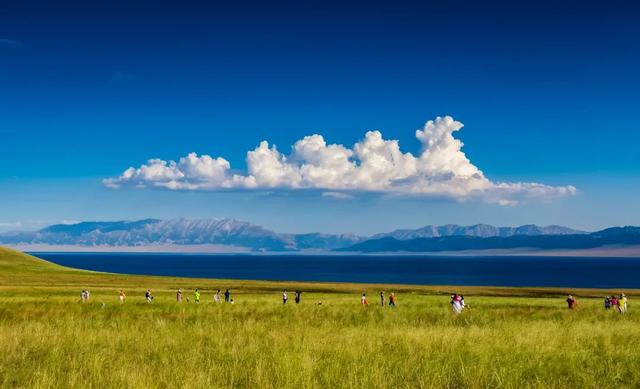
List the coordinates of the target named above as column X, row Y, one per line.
column 363, row 300
column 382, row 298
column 179, row 296
column 297, row 298
column 456, row 303
column 622, row 304
column 196, row 296
column 216, row 297
column 607, row 303
column 614, row 302
column 392, row 300
column 148, row 296
column 227, row 296
column 122, row 296
column 284, row 297
column 83, row 296
column 571, row 302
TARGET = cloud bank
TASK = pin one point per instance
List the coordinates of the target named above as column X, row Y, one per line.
column 373, row 164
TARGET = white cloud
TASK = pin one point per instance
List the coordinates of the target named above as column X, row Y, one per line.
column 373, row 164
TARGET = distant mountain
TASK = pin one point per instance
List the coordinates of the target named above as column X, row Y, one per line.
column 611, row 236
column 231, row 232
column 176, row 232
column 477, row 230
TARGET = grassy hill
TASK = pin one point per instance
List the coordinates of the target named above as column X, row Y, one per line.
column 48, row 338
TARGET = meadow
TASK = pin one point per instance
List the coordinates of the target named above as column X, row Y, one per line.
column 511, row 338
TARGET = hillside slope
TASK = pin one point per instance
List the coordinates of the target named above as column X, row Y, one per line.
column 13, row 262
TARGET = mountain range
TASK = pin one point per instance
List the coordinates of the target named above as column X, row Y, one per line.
column 617, row 236
column 241, row 234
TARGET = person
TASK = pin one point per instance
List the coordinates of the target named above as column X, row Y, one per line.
column 83, row 295
column 284, row 297
column 88, row 295
column 196, row 296
column 122, row 296
column 179, row 296
column 607, row 302
column 392, row 300
column 382, row 298
column 614, row 301
column 227, row 296
column 622, row 304
column 456, row 303
column 232, row 302
column 297, row 296
column 363, row 300
column 148, row 296
column 462, row 304
column 216, row 297
column 571, row 302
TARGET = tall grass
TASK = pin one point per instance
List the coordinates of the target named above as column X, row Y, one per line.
column 49, row 339
column 499, row 342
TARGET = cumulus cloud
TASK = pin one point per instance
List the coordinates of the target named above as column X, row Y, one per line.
column 373, row 164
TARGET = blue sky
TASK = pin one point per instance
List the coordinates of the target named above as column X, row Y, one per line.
column 547, row 94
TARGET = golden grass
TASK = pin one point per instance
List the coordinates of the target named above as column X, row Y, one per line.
column 49, row 339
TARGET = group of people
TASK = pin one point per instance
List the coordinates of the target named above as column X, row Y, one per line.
column 285, row 297
column 392, row 299
column 457, row 300
column 616, row 302
column 196, row 296
column 148, row 296
column 457, row 303
column 619, row 303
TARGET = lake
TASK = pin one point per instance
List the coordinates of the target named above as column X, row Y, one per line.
column 584, row 272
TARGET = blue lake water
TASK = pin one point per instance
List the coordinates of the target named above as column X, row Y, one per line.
column 421, row 270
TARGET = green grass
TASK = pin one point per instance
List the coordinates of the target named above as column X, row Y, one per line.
column 508, row 338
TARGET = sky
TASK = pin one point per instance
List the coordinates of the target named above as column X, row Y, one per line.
column 384, row 115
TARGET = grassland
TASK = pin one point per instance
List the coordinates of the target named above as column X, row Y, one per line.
column 508, row 338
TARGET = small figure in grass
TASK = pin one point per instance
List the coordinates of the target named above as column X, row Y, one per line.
column 179, row 296
column 196, row 296
column 392, row 300
column 456, row 303
column 614, row 301
column 88, row 295
column 607, row 303
column 284, row 297
column 148, row 296
column 297, row 298
column 83, row 296
column 216, row 297
column 382, row 298
column 363, row 300
column 227, row 296
column 122, row 296
column 622, row 304
column 571, row 302
column 231, row 301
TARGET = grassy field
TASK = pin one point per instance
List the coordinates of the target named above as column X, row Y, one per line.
column 508, row 338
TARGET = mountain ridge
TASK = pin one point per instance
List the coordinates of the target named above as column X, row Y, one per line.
column 628, row 235
column 237, row 233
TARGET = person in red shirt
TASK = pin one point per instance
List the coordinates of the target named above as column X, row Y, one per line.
column 571, row 302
